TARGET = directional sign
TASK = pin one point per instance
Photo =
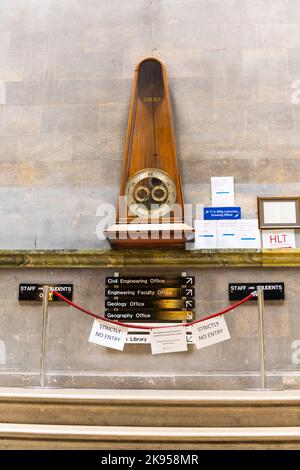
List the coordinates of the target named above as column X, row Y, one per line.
column 221, row 213
column 157, row 304
column 150, row 299
column 165, row 315
column 156, row 281
column 166, row 292
column 272, row 290
column 144, row 338
column 34, row 292
column 188, row 292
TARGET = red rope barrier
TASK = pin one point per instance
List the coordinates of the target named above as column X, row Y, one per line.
column 139, row 327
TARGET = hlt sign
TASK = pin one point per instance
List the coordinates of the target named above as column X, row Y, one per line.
column 278, row 239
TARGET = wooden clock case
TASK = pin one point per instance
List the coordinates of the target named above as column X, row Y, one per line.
column 150, row 146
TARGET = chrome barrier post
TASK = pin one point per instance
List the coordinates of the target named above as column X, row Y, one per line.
column 44, row 334
column 260, row 304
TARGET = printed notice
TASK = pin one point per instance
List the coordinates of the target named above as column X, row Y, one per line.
column 205, row 234
column 249, row 234
column 108, row 334
column 228, row 233
column 280, row 212
column 222, row 191
column 275, row 239
column 210, row 332
column 167, row 340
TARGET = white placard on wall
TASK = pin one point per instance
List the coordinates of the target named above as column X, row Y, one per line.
column 205, row 234
column 167, row 340
column 108, row 335
column 228, row 233
column 280, row 212
column 274, row 239
column 249, row 234
column 210, row 332
column 222, row 191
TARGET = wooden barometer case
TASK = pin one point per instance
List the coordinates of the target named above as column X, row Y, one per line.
column 150, row 212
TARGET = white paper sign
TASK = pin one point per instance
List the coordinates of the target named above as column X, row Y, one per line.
column 205, row 234
column 278, row 239
column 210, row 332
column 249, row 234
column 222, row 191
column 167, row 340
column 228, row 233
column 109, row 335
column 280, row 212
column 138, row 338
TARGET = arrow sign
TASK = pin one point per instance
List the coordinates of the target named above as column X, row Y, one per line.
column 190, row 280
column 189, row 303
column 189, row 292
column 189, row 338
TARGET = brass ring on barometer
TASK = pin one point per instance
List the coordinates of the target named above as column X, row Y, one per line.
column 159, row 193
column 141, row 193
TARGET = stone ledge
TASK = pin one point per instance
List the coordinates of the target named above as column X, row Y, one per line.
column 103, row 259
column 136, row 395
column 149, row 408
column 25, row 436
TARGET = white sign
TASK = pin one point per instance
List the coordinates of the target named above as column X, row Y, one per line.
column 278, row 239
column 280, row 212
column 210, row 332
column 222, row 191
column 249, row 234
column 109, row 335
column 167, row 340
column 228, row 233
column 138, row 338
column 205, row 234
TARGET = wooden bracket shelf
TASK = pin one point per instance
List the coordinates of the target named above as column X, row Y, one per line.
column 102, row 259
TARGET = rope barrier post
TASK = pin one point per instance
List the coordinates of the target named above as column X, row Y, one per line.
column 44, row 334
column 260, row 304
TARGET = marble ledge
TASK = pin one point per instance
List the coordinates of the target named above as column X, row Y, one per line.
column 104, row 259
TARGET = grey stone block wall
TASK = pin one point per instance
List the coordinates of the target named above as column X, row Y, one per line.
column 65, row 80
column 72, row 361
column 66, row 68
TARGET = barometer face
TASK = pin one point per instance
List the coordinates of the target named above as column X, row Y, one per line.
column 150, row 193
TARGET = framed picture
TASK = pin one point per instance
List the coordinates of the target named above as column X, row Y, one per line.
column 278, row 212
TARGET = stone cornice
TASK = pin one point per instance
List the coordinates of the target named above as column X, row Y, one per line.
column 197, row 259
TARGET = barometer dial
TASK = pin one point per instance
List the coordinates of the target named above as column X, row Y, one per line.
column 150, row 193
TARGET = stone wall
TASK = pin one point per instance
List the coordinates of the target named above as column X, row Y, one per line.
column 65, row 81
column 66, row 68
column 71, row 361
